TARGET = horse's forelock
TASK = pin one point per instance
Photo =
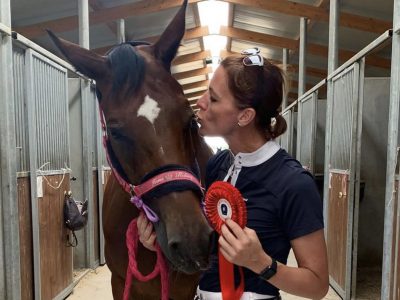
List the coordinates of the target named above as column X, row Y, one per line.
column 127, row 67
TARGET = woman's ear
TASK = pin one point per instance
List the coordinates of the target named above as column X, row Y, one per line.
column 246, row 116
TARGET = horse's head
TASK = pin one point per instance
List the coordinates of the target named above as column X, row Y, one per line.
column 150, row 125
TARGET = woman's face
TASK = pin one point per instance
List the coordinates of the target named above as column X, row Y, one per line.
column 218, row 114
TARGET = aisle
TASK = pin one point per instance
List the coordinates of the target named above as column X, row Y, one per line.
column 97, row 285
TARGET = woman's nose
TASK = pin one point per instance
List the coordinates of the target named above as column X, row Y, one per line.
column 202, row 102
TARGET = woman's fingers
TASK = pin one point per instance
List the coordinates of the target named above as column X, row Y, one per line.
column 147, row 231
column 146, row 234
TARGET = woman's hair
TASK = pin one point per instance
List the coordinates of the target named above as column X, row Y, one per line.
column 259, row 87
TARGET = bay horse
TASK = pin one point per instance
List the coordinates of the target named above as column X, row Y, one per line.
column 150, row 126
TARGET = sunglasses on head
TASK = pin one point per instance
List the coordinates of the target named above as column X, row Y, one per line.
column 252, row 58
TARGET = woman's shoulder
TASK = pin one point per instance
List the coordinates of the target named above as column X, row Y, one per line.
column 216, row 164
column 221, row 157
column 286, row 173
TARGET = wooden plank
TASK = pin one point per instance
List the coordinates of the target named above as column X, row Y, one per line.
column 260, row 38
column 345, row 55
column 292, row 68
column 25, row 237
column 192, row 73
column 195, row 85
column 337, row 227
column 192, row 33
column 191, row 57
column 55, row 256
column 195, row 94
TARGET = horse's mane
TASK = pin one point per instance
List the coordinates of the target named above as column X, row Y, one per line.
column 127, row 66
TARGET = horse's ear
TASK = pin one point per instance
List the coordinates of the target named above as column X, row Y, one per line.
column 85, row 61
column 168, row 43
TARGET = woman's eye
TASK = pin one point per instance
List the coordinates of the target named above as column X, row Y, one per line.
column 212, row 99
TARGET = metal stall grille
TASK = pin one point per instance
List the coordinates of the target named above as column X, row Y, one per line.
column 346, row 97
column 306, row 131
column 343, row 86
column 51, row 115
column 22, row 150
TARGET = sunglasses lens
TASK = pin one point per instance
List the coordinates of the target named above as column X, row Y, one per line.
column 253, row 60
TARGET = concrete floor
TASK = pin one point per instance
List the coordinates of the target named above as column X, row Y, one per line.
column 96, row 284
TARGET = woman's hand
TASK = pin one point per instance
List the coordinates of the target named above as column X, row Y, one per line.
column 242, row 247
column 146, row 234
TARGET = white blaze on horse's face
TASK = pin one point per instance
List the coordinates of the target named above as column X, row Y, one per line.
column 149, row 109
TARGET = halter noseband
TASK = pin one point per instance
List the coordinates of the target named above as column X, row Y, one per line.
column 156, row 183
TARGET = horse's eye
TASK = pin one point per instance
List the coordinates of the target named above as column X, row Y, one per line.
column 116, row 133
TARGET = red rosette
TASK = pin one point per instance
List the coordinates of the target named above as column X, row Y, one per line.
column 224, row 201
column 223, row 198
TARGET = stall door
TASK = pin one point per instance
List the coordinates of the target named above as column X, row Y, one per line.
column 342, row 204
column 49, row 161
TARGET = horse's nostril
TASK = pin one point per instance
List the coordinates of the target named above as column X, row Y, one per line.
column 174, row 246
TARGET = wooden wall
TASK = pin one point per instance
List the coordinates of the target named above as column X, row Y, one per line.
column 56, row 256
column 25, row 237
column 337, row 227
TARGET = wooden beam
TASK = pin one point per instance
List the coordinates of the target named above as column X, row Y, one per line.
column 195, row 85
column 282, row 42
column 101, row 16
column 259, row 38
column 191, row 57
column 315, row 72
column 372, row 60
column 192, row 73
column 192, row 33
column 195, row 94
column 196, row 33
column 194, row 101
column 317, row 14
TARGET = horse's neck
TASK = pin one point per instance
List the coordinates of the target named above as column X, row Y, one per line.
column 203, row 154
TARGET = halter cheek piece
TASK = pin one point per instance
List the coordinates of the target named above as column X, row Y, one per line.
column 158, row 182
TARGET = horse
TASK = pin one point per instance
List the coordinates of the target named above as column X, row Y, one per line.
column 150, row 127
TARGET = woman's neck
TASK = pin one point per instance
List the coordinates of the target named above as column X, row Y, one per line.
column 246, row 141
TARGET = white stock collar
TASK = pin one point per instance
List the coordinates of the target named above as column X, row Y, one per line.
column 261, row 155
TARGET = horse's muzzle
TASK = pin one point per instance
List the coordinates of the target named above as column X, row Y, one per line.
column 190, row 256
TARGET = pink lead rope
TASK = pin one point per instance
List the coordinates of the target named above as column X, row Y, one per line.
column 160, row 268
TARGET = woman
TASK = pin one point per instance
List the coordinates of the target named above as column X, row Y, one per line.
column 284, row 209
